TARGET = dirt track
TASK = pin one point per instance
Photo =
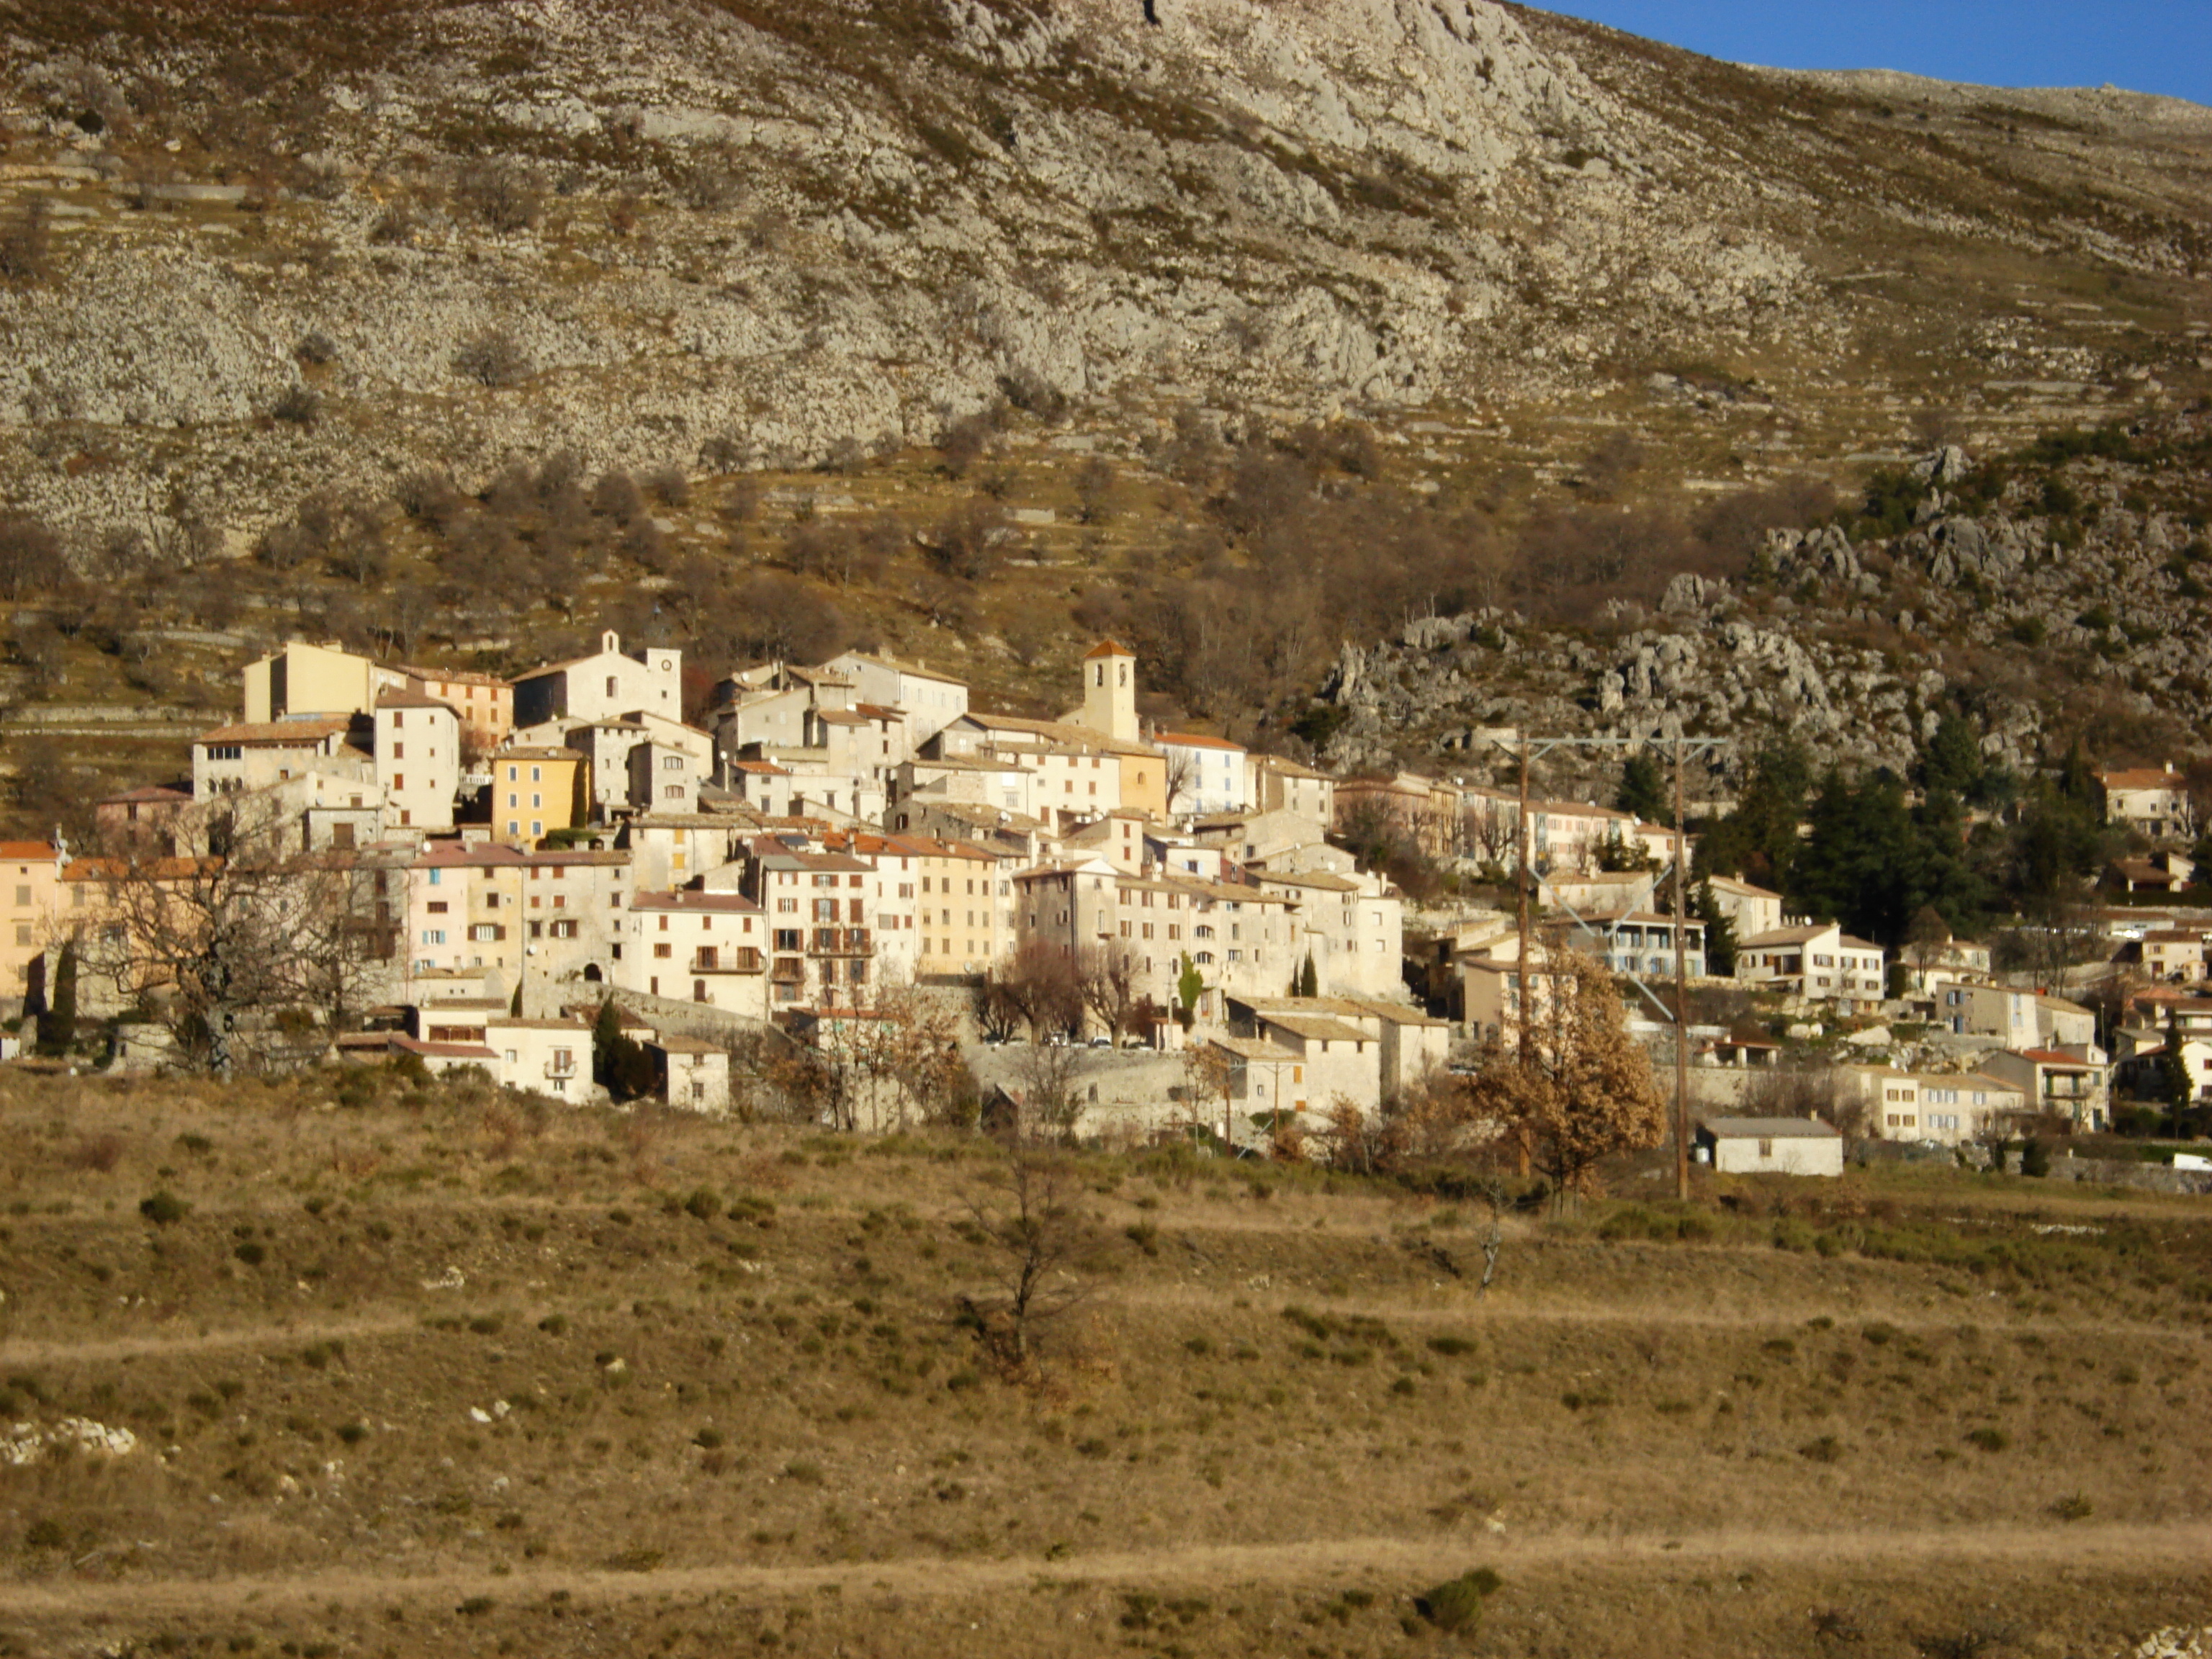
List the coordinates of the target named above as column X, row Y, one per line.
column 2177, row 1548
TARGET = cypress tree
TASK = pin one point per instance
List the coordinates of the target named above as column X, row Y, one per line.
column 57, row 1025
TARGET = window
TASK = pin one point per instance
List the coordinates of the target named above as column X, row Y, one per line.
column 1766, row 1149
column 672, row 763
column 434, row 936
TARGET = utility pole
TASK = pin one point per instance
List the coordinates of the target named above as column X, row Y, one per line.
column 1681, row 990
column 1679, row 1014
column 1521, row 960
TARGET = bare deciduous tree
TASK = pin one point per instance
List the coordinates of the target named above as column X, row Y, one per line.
column 1037, row 986
column 1108, row 983
column 1024, row 1214
column 203, row 943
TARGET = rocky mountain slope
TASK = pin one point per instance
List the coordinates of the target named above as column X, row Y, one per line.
column 2056, row 598
column 759, row 231
column 303, row 253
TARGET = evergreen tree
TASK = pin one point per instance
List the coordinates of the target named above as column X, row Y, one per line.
column 2175, row 1086
column 1190, row 985
column 620, row 1064
column 57, row 1025
column 1952, row 759
column 1644, row 791
column 2057, row 840
column 1856, row 865
column 1720, row 931
column 1309, row 980
column 1759, row 839
column 1941, row 876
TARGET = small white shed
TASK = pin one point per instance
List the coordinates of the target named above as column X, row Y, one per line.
column 1770, row 1146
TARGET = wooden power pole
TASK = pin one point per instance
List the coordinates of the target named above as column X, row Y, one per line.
column 1682, row 990
column 1523, row 991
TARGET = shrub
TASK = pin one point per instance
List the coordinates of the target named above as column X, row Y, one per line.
column 352, row 1433
column 300, row 406
column 251, row 1254
column 1145, row 1236
column 501, row 194
column 1988, row 1440
column 2074, row 1508
column 163, row 1208
column 493, row 358
column 702, row 1205
column 316, row 346
column 26, row 239
column 45, row 1535
column 1457, row 1604
column 1827, row 1449
column 2035, row 1156
column 1451, row 1347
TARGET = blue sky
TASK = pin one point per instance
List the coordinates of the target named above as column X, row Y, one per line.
column 2145, row 46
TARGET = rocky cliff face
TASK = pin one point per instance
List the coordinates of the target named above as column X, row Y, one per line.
column 710, row 233
column 2042, row 625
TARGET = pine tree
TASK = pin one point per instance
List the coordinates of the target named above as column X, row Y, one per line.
column 1644, row 791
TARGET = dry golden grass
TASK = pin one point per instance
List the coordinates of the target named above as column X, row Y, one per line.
column 725, row 1401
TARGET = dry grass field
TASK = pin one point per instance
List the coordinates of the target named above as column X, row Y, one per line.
column 430, row 1373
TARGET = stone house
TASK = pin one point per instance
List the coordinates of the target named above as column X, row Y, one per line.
column 418, row 760
column 1770, row 1146
column 2152, row 801
column 1817, row 962
column 609, row 683
column 544, row 1056
column 1273, row 784
column 695, row 1074
column 696, row 946
column 2075, row 1087
column 1204, row 775
column 231, row 759
column 31, row 885
column 1750, row 910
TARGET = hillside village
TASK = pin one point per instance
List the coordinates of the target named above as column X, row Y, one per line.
column 844, row 893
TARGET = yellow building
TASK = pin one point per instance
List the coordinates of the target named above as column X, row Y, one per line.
column 537, row 791
column 1144, row 780
column 30, row 884
column 313, row 679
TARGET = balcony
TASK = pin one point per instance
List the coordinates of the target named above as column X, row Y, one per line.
column 560, row 1068
column 742, row 960
column 843, row 942
column 788, row 970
